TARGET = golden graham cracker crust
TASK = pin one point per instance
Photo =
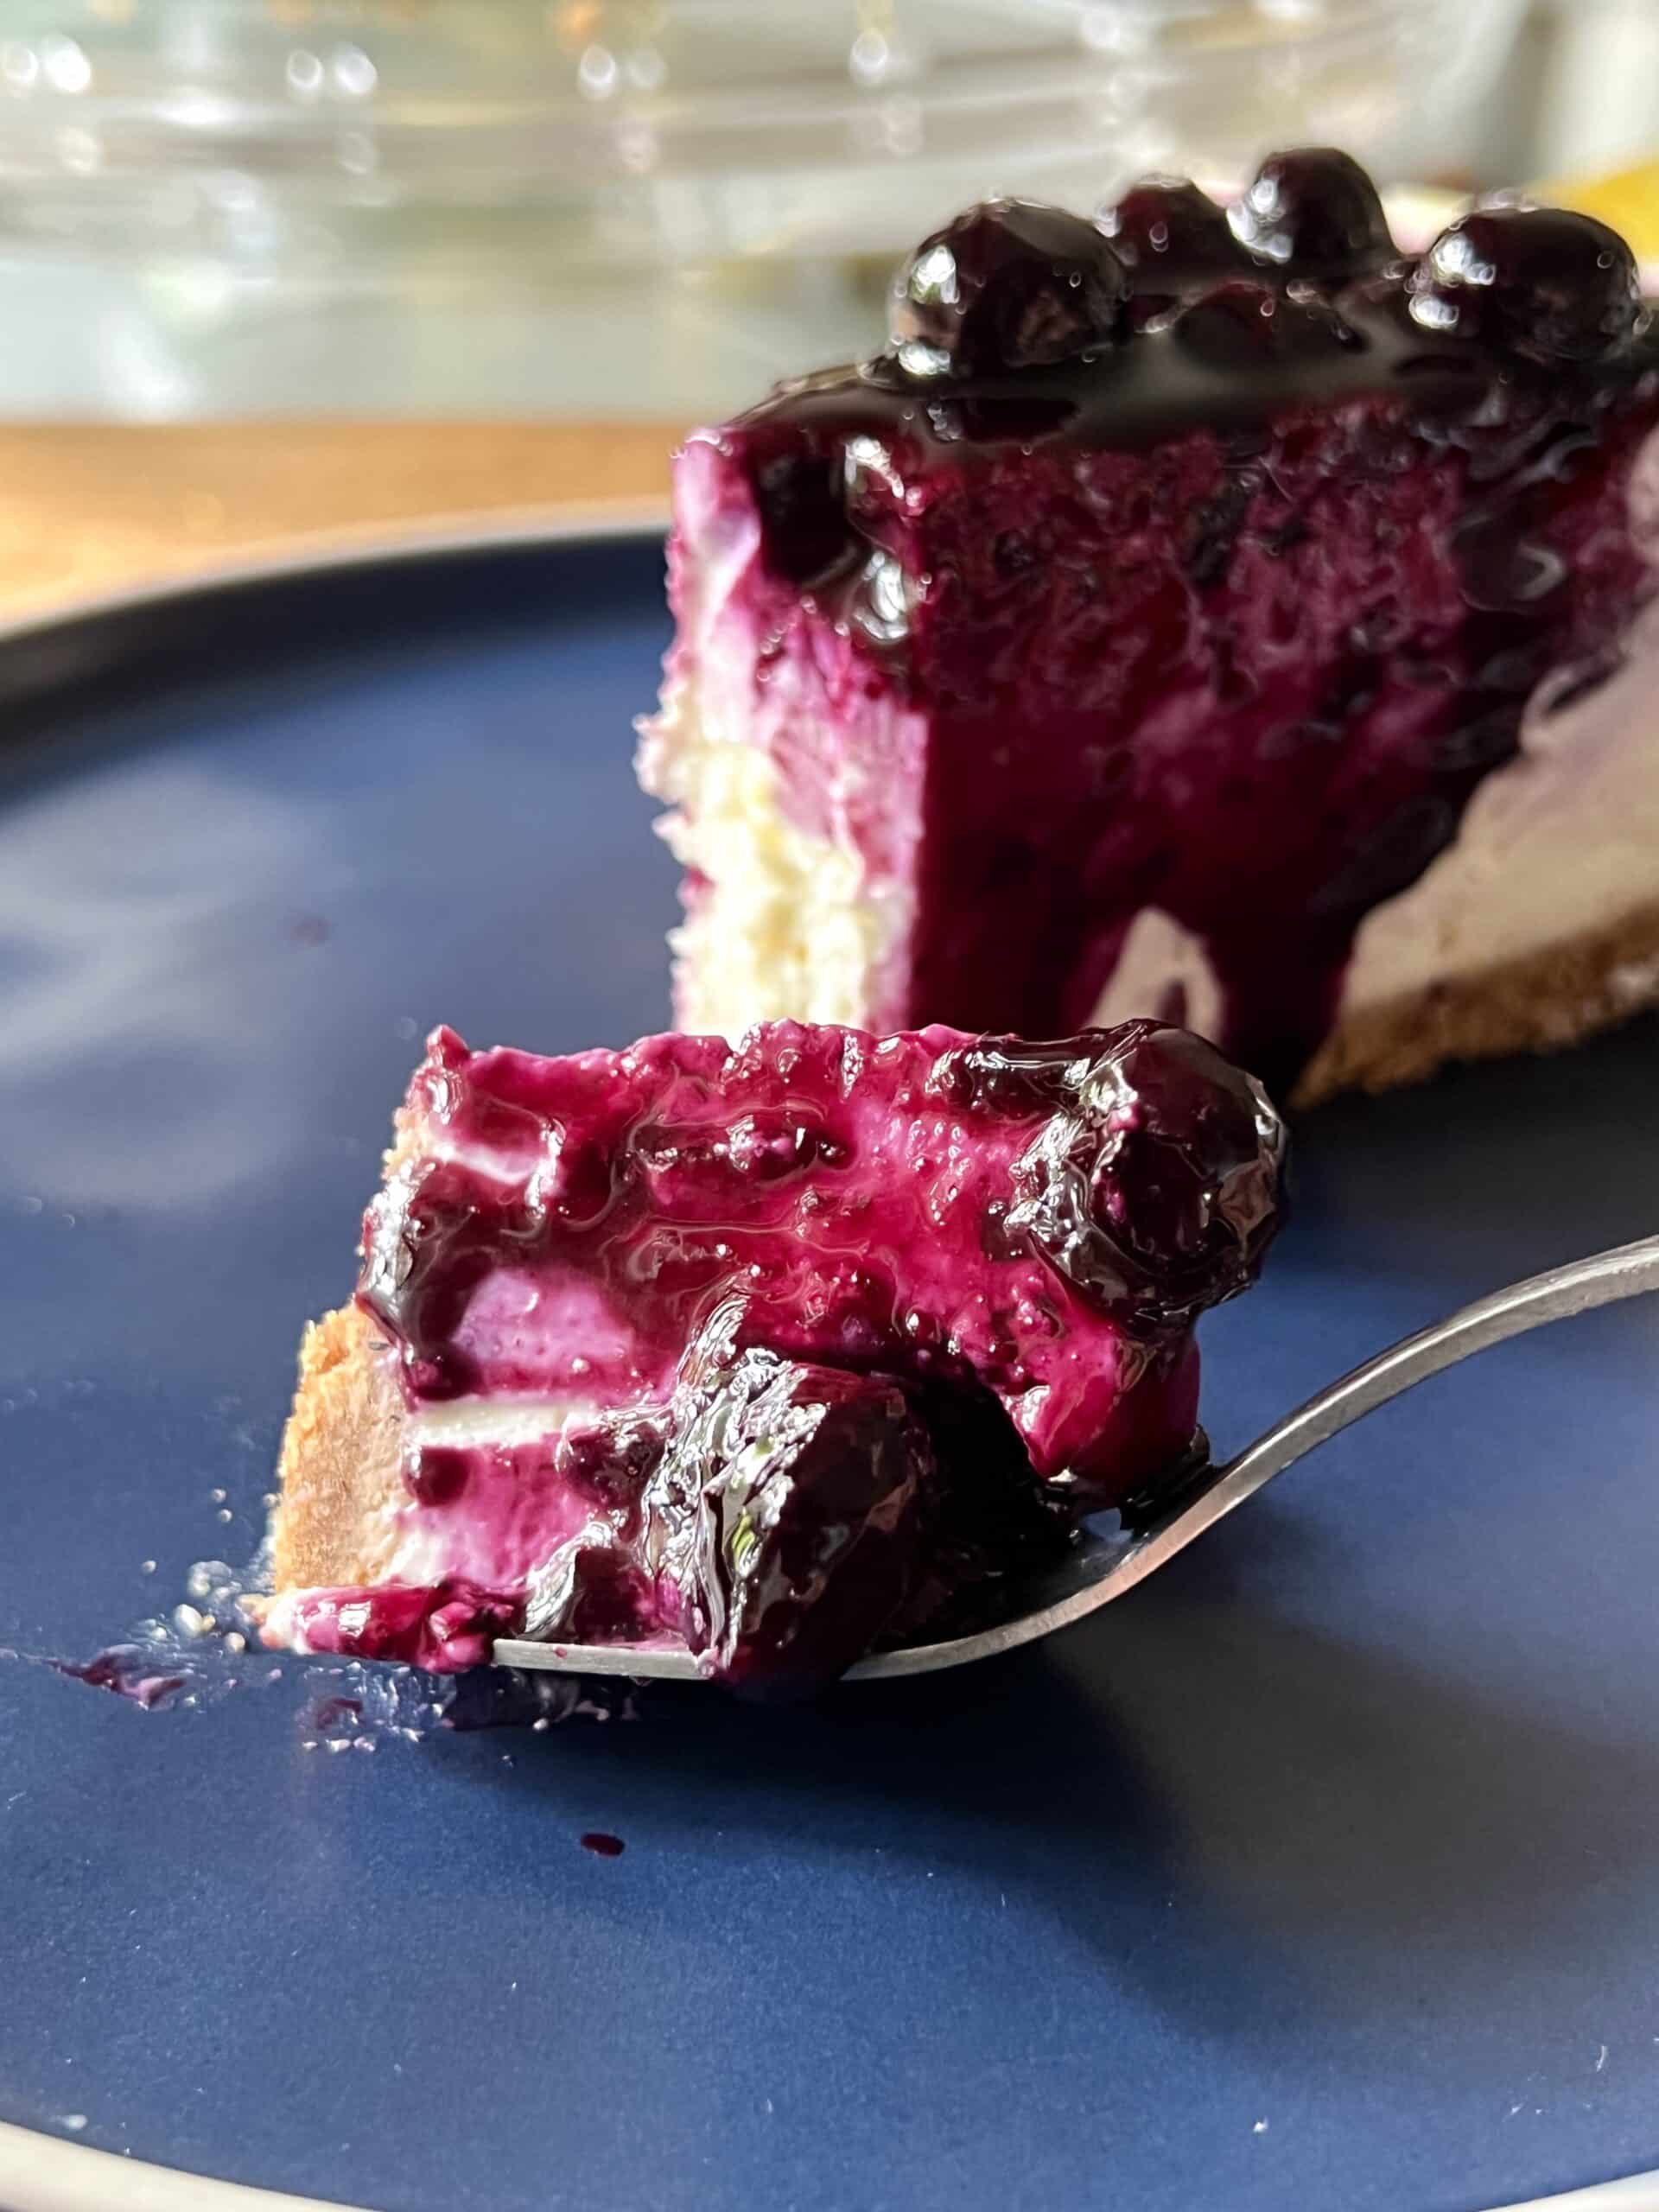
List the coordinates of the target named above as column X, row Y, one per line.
column 341, row 1466
column 1536, row 1004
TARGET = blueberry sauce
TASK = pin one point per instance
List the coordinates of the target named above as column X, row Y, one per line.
column 344, row 1704
column 1010, row 285
column 445, row 1627
column 1313, row 213
column 127, row 1670
column 861, row 1327
column 978, row 1210
column 1220, row 601
column 792, row 1508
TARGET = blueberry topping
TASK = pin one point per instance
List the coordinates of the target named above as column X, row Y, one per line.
column 791, row 1504
column 1158, row 1192
column 1551, row 285
column 445, row 1626
column 591, row 1592
column 1010, row 284
column 1314, row 213
column 436, row 1475
column 807, row 528
column 1171, row 236
column 1224, row 602
column 1245, row 324
column 850, row 1313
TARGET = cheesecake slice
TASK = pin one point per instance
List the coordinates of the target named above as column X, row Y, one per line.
column 770, row 1349
column 1200, row 614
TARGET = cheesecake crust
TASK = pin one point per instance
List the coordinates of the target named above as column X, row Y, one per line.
column 341, row 1467
column 1537, row 1003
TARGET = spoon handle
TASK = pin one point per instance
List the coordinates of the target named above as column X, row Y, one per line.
column 1602, row 1279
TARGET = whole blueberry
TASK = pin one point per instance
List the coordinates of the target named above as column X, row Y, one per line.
column 1313, row 213
column 1546, row 284
column 1244, row 323
column 788, row 1510
column 1159, row 1191
column 1171, row 236
column 1010, row 284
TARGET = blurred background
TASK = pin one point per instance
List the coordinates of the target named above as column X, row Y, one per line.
column 478, row 230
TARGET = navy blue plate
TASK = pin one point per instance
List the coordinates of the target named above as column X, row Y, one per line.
column 1323, row 1871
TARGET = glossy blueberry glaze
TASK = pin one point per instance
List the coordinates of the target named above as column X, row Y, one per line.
column 1313, row 213
column 792, row 1508
column 858, row 1324
column 445, row 1626
column 1226, row 612
column 1171, row 237
column 1009, row 285
column 570, row 1225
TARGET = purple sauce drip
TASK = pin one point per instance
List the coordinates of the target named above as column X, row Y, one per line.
column 126, row 1670
column 601, row 1845
column 445, row 1626
column 1226, row 615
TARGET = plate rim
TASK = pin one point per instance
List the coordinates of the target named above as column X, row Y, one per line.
column 59, row 2176
column 317, row 554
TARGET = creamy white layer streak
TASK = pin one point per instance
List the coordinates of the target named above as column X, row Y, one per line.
column 791, row 922
column 411, row 1543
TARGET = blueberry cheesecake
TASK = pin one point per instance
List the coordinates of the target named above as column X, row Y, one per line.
column 772, row 1351
column 1199, row 612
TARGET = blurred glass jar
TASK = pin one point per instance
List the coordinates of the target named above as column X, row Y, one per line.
column 208, row 152
column 647, row 129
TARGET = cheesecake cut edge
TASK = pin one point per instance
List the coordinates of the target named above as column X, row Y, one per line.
column 1431, row 980
column 1545, row 998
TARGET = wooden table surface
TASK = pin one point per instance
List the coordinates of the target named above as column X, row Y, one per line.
column 89, row 509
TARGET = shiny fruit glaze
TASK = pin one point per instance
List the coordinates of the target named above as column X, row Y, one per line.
column 1224, row 608
column 857, row 1327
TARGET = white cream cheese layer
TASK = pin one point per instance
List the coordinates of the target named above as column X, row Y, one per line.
column 787, row 920
column 788, row 923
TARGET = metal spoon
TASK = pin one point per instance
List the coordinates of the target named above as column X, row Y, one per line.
column 1102, row 1566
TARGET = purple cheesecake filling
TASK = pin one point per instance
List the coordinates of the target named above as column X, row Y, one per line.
column 785, row 1346
column 1179, row 562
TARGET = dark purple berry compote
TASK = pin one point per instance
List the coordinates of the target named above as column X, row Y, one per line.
column 1009, row 285
column 777, row 1348
column 1313, row 211
column 1551, row 285
column 1172, row 238
column 1196, row 561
